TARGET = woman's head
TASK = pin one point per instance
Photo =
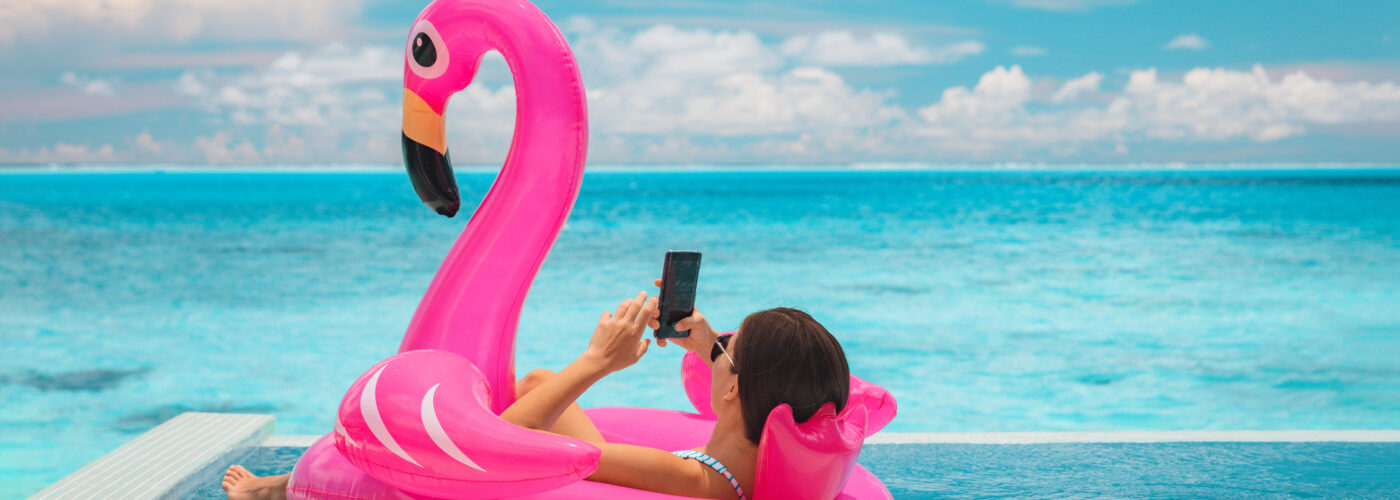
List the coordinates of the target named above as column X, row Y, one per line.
column 783, row 356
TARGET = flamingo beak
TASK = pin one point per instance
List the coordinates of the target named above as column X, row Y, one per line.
column 425, row 155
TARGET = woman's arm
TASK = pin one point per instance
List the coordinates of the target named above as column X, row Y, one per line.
column 651, row 469
column 616, row 344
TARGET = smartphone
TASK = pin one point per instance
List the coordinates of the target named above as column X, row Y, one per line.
column 677, row 300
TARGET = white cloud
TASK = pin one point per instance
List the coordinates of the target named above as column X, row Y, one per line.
column 1189, row 41
column 844, row 48
column 1221, row 104
column 88, row 85
column 715, row 83
column 1205, row 105
column 84, row 21
column 191, row 84
column 1073, row 88
column 221, row 148
column 1028, row 51
column 999, row 97
column 480, row 122
column 140, row 148
column 680, row 52
column 672, row 94
column 802, row 99
column 60, row 153
column 333, row 86
column 145, row 142
column 338, row 103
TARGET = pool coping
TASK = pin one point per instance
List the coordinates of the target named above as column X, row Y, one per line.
column 192, row 444
column 160, row 462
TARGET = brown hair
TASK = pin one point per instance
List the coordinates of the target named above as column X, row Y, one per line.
column 788, row 358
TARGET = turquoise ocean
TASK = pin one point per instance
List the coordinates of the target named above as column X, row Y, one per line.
column 985, row 300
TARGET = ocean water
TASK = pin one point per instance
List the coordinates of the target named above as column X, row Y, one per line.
column 984, row 300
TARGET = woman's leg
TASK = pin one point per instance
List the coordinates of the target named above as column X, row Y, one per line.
column 573, row 422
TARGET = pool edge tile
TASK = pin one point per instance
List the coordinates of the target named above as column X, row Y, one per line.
column 157, row 463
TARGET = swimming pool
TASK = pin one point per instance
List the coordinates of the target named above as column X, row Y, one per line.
column 186, row 456
column 1085, row 470
column 984, row 300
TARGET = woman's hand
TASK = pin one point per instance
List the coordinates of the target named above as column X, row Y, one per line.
column 617, row 343
column 702, row 336
column 617, row 340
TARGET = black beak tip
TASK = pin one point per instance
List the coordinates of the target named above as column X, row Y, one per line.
column 447, row 209
column 433, row 180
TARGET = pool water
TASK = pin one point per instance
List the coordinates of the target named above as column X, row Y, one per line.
column 1087, row 470
column 983, row 300
column 1138, row 470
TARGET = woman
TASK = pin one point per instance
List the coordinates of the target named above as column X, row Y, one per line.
column 780, row 356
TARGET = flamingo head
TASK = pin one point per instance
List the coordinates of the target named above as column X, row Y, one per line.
column 441, row 58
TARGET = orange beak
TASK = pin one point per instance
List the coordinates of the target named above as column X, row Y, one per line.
column 425, row 155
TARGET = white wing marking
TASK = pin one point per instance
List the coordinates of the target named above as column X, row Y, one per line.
column 439, row 435
column 370, row 408
column 340, row 429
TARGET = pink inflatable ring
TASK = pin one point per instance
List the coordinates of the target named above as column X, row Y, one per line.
column 425, row 423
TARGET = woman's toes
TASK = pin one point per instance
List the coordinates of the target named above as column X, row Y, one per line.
column 239, row 472
column 236, row 476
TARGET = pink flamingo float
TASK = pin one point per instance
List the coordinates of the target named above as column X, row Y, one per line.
column 424, row 423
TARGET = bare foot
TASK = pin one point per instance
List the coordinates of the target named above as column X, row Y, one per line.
column 243, row 485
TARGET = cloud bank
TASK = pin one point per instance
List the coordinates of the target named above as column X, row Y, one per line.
column 37, row 21
column 1204, row 105
column 665, row 94
column 842, row 48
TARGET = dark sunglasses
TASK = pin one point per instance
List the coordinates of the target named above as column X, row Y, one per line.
column 722, row 347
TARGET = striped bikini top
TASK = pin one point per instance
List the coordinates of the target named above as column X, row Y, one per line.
column 714, row 464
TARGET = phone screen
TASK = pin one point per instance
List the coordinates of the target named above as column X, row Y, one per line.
column 677, row 300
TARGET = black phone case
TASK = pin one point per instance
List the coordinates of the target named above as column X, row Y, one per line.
column 678, row 282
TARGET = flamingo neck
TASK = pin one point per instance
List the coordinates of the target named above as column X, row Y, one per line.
column 473, row 304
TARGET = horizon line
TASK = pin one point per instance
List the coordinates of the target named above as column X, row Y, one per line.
column 717, row 167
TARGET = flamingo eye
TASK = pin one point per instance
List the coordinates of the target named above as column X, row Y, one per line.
column 426, row 54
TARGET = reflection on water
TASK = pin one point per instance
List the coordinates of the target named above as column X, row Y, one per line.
column 80, row 380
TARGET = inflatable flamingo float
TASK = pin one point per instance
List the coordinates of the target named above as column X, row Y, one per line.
column 424, row 423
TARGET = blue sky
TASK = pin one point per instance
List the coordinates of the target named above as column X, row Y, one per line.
column 721, row 82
